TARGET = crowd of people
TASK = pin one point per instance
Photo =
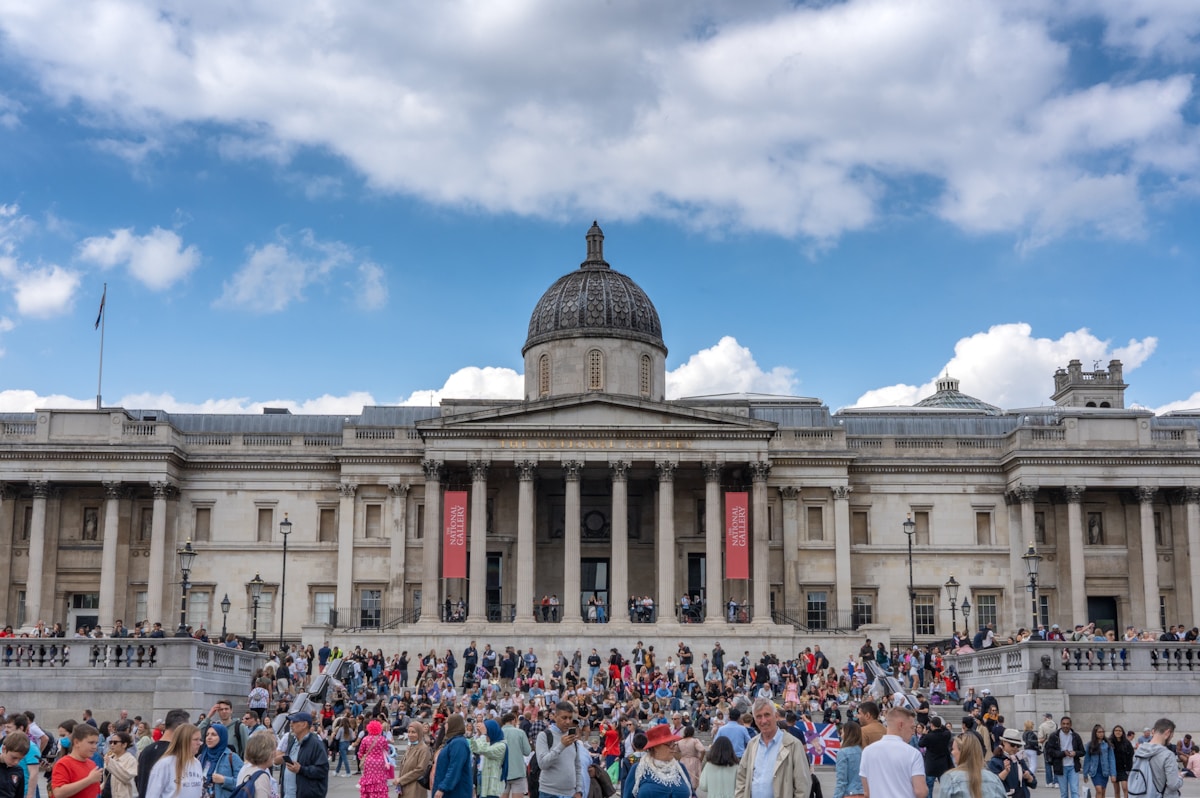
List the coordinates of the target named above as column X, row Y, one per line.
column 486, row 723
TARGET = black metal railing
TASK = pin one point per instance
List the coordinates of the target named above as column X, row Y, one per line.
column 545, row 612
column 364, row 619
column 594, row 612
column 738, row 613
column 811, row 620
column 501, row 613
column 693, row 613
column 641, row 613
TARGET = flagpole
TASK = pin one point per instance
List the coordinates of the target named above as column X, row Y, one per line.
column 103, row 316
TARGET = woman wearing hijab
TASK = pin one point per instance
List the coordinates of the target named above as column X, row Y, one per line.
column 373, row 752
column 452, row 773
column 489, row 744
column 221, row 765
column 416, row 761
column 658, row 774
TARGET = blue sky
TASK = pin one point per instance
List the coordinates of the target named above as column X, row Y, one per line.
column 329, row 206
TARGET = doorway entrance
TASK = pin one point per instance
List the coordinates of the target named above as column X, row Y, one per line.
column 697, row 585
column 494, row 579
column 593, row 588
column 83, row 610
column 1102, row 610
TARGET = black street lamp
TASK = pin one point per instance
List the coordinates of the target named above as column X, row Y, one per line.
column 1032, row 561
column 285, row 529
column 966, row 608
column 187, row 555
column 952, row 590
column 224, row 616
column 910, row 529
column 256, row 586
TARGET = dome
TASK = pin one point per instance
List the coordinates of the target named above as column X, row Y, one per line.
column 948, row 396
column 596, row 302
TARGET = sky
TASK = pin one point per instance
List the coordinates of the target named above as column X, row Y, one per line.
column 329, row 205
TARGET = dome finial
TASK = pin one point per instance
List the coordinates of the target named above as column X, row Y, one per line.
column 595, row 249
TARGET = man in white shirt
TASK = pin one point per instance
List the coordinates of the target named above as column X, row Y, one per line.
column 892, row 768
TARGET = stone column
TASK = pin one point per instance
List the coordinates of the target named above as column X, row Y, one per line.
column 791, row 545
column 664, row 543
column 618, row 589
column 1016, row 566
column 526, row 472
column 477, row 589
column 761, row 590
column 841, row 552
column 1149, row 557
column 714, row 604
column 572, row 473
column 155, row 599
column 1076, row 570
column 345, row 556
column 1191, row 506
column 399, row 549
column 7, row 521
column 108, row 555
column 431, row 600
column 37, row 554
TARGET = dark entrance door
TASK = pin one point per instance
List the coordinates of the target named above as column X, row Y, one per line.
column 494, row 582
column 697, row 585
column 1103, row 611
column 593, row 584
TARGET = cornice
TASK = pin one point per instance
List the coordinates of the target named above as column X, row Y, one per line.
column 593, row 433
column 1109, row 461
column 924, row 468
column 114, row 455
column 822, row 460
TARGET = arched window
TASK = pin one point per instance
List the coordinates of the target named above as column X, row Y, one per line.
column 595, row 370
column 544, row 375
column 644, row 377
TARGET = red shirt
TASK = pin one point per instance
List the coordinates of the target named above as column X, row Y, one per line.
column 69, row 770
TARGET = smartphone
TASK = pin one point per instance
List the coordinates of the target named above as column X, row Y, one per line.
column 287, row 760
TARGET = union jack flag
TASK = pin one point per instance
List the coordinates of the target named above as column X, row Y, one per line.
column 823, row 742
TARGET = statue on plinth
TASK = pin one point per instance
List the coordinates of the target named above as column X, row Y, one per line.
column 1047, row 677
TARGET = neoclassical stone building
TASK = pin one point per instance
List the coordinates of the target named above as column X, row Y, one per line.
column 595, row 488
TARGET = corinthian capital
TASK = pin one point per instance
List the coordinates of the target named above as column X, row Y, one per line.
column 347, row 489
column 620, row 470
column 433, row 469
column 790, row 492
column 41, row 490
column 1146, row 495
column 479, row 470
column 841, row 492
column 572, row 470
column 1074, row 493
column 759, row 471
column 398, row 489
column 666, row 470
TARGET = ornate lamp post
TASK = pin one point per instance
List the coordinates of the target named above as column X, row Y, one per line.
column 187, row 555
column 910, row 529
column 1032, row 561
column 256, row 586
column 225, row 604
column 966, row 608
column 285, row 529
column 952, row 591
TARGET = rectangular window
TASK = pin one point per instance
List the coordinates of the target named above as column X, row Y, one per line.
column 1044, row 610
column 203, row 531
column 1161, row 536
column 21, row 608
column 818, row 609
column 816, row 523
column 370, row 608
column 859, row 531
column 983, row 528
column 327, row 531
column 862, row 610
column 266, row 612
column 374, row 521
column 1162, row 612
column 199, row 602
column 323, row 602
column 419, row 530
column 1039, row 527
column 139, row 606
column 921, row 518
column 146, row 528
column 701, row 511
column 266, row 518
column 985, row 610
column 926, row 611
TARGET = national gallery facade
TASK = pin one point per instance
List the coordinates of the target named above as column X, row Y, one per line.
column 595, row 498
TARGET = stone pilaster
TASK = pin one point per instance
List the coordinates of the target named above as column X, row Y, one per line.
column 526, row 473
column 156, row 599
column 1025, row 494
column 7, row 521
column 791, row 545
column 37, row 553
column 761, row 587
column 108, row 556
column 345, row 558
column 398, row 511
column 1149, row 556
column 431, row 600
column 477, row 587
column 572, row 473
column 841, row 557
column 715, row 599
column 1076, row 569
column 618, row 592
column 1191, row 502
column 664, row 543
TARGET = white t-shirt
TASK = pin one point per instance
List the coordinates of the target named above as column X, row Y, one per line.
column 889, row 766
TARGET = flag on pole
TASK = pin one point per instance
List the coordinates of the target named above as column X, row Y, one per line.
column 100, row 315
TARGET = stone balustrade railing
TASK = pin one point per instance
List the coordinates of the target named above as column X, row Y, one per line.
column 78, row 654
column 1078, row 659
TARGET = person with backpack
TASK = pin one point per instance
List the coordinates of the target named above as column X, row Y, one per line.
column 221, row 765
column 1155, row 771
column 559, row 769
column 254, row 779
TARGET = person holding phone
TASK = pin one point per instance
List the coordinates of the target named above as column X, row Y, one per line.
column 305, row 761
column 562, row 770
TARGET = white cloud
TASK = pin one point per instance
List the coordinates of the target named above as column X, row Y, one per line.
column 727, row 367
column 24, row 401
column 277, row 274
column 473, row 382
column 45, row 291
column 158, row 259
column 797, row 119
column 1008, row 367
column 1191, row 403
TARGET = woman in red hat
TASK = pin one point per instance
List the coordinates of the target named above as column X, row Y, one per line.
column 658, row 774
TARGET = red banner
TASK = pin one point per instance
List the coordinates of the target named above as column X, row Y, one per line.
column 737, row 535
column 454, row 536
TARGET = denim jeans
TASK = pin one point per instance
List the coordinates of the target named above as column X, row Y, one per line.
column 1068, row 782
column 1050, row 777
column 343, row 750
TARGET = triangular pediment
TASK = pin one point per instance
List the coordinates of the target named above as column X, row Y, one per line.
column 593, row 412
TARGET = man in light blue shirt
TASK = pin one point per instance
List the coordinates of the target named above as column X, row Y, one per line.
column 775, row 764
column 736, row 732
